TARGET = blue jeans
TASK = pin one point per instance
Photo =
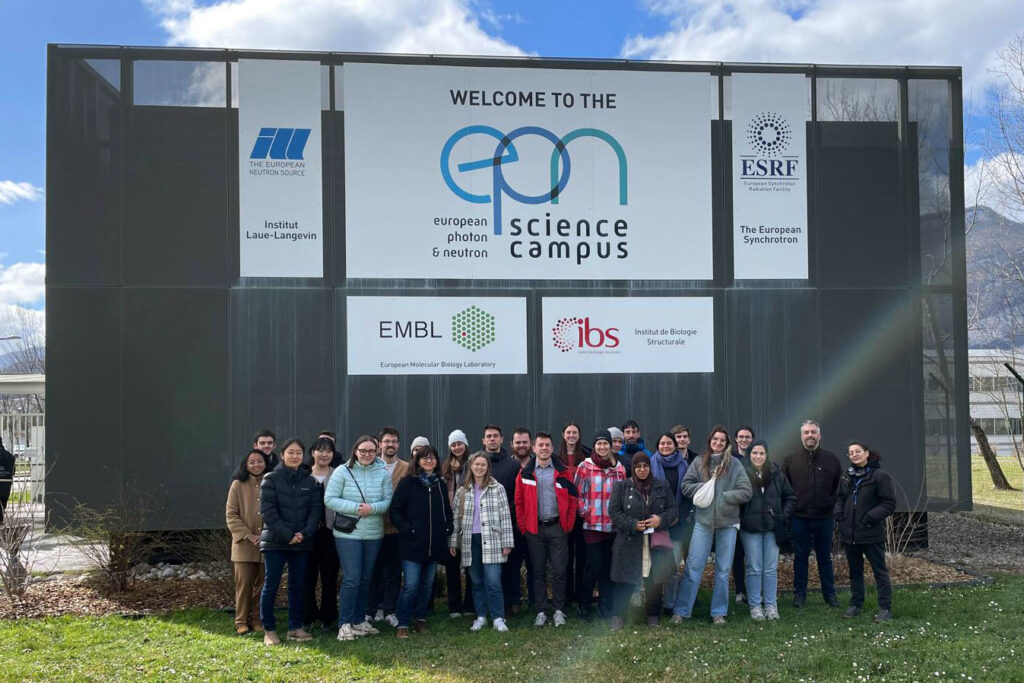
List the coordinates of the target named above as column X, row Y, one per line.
column 816, row 532
column 700, row 549
column 414, row 599
column 357, row 559
column 274, row 560
column 487, row 595
column 762, row 567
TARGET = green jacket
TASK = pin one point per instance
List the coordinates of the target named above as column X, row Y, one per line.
column 731, row 490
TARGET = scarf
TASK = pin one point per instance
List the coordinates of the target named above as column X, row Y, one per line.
column 658, row 464
column 428, row 480
column 643, row 487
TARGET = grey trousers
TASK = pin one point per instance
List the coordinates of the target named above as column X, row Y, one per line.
column 549, row 547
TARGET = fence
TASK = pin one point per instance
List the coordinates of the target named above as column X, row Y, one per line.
column 24, row 434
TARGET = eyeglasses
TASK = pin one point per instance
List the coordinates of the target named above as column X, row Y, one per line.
column 366, row 451
column 429, row 456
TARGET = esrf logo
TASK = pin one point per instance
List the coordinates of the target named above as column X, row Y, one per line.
column 577, row 333
column 280, row 143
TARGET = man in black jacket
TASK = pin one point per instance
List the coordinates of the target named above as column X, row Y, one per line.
column 814, row 474
column 6, row 477
column 265, row 441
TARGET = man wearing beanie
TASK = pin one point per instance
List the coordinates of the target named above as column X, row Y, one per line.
column 617, row 439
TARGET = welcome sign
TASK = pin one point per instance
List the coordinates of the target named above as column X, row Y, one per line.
column 280, row 190
column 520, row 174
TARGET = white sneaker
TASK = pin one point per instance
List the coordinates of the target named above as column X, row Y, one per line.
column 392, row 620
column 541, row 619
column 559, row 618
column 345, row 632
column 455, row 615
column 478, row 623
column 757, row 613
column 499, row 625
column 377, row 617
column 364, row 629
column 771, row 612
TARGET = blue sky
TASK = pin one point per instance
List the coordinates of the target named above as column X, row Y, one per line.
column 946, row 32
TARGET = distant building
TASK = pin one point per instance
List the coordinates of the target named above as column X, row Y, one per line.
column 995, row 396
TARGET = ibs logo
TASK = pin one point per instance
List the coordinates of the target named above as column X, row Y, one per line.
column 473, row 328
column 280, row 143
column 505, row 152
column 577, row 333
column 769, row 135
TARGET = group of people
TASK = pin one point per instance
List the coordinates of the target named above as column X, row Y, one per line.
column 611, row 517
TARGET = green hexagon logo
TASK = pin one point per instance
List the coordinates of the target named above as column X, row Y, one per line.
column 473, row 328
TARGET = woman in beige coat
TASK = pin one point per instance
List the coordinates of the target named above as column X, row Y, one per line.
column 245, row 524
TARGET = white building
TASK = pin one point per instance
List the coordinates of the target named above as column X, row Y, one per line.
column 995, row 396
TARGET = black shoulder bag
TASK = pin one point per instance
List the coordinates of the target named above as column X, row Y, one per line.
column 346, row 524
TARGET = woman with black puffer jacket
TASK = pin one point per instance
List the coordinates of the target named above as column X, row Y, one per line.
column 291, row 504
column 866, row 497
column 764, row 523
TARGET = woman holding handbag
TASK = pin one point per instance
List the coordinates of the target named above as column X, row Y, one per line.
column 642, row 510
column 670, row 464
column 718, row 485
column 360, row 494
column 763, row 518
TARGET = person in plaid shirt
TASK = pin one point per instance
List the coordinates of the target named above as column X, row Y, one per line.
column 595, row 478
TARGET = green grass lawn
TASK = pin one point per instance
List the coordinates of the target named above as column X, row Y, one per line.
column 973, row 633
column 985, row 494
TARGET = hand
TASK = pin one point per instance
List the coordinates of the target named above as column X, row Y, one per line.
column 364, row 510
column 297, row 538
column 641, row 525
column 654, row 522
column 506, row 551
column 452, row 551
column 254, row 539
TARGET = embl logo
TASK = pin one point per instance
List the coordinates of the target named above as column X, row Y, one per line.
column 577, row 333
column 280, row 143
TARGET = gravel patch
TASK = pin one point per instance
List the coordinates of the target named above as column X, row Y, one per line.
column 974, row 544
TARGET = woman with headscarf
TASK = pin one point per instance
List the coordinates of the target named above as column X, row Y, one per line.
column 642, row 508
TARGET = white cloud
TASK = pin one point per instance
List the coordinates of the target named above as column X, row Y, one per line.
column 27, row 323
column 916, row 32
column 11, row 192
column 403, row 26
column 22, row 283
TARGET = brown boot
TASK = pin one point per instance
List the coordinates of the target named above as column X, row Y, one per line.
column 420, row 626
column 403, row 632
column 241, row 629
column 257, row 626
column 270, row 638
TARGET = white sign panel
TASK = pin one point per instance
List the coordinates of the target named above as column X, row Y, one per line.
column 280, row 192
column 639, row 334
column 523, row 174
column 417, row 335
column 769, row 176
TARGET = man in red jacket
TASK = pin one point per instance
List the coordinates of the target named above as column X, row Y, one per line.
column 546, row 502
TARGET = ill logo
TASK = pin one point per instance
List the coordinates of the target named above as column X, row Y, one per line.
column 473, row 328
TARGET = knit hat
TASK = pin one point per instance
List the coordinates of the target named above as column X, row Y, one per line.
column 641, row 457
column 457, row 436
column 615, row 432
column 418, row 441
column 603, row 435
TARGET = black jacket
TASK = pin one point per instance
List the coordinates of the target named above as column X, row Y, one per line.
column 815, row 478
column 866, row 497
column 626, row 508
column 290, row 501
column 423, row 518
column 6, row 477
column 768, row 511
column 505, row 469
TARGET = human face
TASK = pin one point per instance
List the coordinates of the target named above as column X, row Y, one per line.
column 366, row 453
column 389, row 446
column 292, row 456
column 571, row 434
column 683, row 440
column 458, row 449
column 631, row 434
column 743, row 439
column 616, row 444
column 416, row 451
column 542, row 448
column 428, row 462
column 666, row 446
column 642, row 470
column 520, row 445
column 858, row 454
column 603, row 449
column 718, row 441
column 323, row 457
column 479, row 468
column 255, row 464
column 493, row 440
column 758, row 456
column 810, row 436
column 265, row 444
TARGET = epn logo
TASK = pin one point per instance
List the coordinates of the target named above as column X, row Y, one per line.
column 559, row 165
column 577, row 333
column 280, row 143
